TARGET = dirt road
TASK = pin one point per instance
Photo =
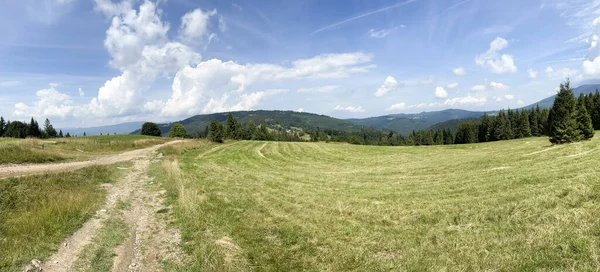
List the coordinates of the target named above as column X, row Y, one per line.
column 34, row 169
column 150, row 240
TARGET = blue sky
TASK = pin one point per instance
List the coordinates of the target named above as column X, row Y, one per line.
column 86, row 63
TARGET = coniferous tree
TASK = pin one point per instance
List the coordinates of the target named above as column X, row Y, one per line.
column 230, row 127
column 502, row 129
column 215, row 131
column 448, row 137
column 533, row 124
column 584, row 121
column 250, row 131
column 524, row 130
column 60, row 134
column 562, row 120
column 595, row 110
column 68, row 135
column 49, row 129
column 485, row 128
column 2, row 126
column 33, row 129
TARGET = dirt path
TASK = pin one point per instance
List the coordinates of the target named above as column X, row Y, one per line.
column 150, row 240
column 33, row 169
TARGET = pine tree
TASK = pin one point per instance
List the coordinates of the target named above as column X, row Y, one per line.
column 84, row 134
column 502, row 129
column 215, row 131
column 561, row 120
column 533, row 124
column 448, row 137
column 68, row 135
column 250, row 131
column 230, row 127
column 584, row 121
column 60, row 134
column 33, row 129
column 49, row 129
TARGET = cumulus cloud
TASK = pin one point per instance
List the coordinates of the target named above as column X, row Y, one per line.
column 549, row 70
column 459, row 71
column 390, row 84
column 50, row 104
column 591, row 66
column 349, row 109
column 396, row 107
column 452, row 85
column 440, row 92
column 81, row 93
column 300, row 110
column 214, row 81
column 520, row 103
column 322, row 89
column 478, row 88
column 496, row 63
column 499, row 86
column 509, row 97
column 532, row 74
column 194, row 25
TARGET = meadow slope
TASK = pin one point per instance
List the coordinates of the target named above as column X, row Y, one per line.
column 276, row 206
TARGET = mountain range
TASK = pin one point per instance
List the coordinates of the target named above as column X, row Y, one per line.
column 401, row 123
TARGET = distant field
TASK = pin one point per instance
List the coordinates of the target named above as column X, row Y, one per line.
column 61, row 149
column 275, row 206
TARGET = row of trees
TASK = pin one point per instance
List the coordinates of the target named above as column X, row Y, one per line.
column 234, row 130
column 18, row 129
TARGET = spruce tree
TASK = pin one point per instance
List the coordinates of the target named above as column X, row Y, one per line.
column 502, row 129
column 49, row 129
column 561, row 119
column 533, row 124
column 595, row 110
column 230, row 127
column 215, row 131
column 485, row 128
column 250, row 131
column 523, row 121
column 584, row 121
column 60, row 134
column 2, row 126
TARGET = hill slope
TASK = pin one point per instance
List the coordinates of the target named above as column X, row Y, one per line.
column 124, row 128
column 406, row 123
column 285, row 119
column 547, row 102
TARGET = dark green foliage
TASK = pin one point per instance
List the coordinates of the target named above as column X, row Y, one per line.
column 33, row 130
column 595, row 111
column 523, row 129
column 60, row 134
column 215, row 131
column 584, row 121
column 250, row 131
column 150, row 129
column 177, row 131
column 16, row 129
column 68, row 135
column 502, row 128
column 2, row 126
column 467, row 133
column 49, row 130
column 562, row 120
column 233, row 129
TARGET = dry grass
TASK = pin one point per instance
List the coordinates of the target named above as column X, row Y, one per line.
column 38, row 212
column 327, row 207
column 70, row 149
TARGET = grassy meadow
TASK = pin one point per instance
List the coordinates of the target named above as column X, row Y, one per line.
column 275, row 206
column 70, row 149
column 38, row 212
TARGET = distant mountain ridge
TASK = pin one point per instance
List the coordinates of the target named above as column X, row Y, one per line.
column 123, row 128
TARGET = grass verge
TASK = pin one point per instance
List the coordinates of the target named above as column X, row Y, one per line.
column 38, row 212
column 99, row 254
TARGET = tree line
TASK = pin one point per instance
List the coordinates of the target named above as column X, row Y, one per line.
column 31, row 129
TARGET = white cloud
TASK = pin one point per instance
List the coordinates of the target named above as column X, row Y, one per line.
column 349, row 109
column 222, row 24
column 396, row 107
column 10, row 83
column 591, row 66
column 509, row 97
column 322, row 89
column 390, row 84
column 427, row 81
column 498, row 64
column 499, row 86
column 459, row 71
column 549, row 70
column 440, row 92
column 532, row 74
column 382, row 33
column 50, row 104
column 467, row 100
column 81, row 93
column 194, row 25
column 452, row 85
column 213, row 82
column 300, row 110
column 520, row 103
column 478, row 88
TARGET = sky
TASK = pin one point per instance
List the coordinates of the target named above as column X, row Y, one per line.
column 86, row 63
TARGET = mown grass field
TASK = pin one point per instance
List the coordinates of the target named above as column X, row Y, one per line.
column 274, row 206
column 38, row 212
column 70, row 149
